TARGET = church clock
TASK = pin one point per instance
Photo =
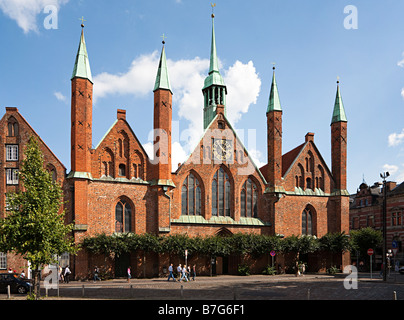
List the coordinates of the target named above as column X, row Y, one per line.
column 222, row 150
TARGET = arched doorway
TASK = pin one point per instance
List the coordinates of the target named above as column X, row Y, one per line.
column 224, row 264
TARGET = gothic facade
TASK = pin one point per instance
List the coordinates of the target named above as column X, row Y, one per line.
column 117, row 187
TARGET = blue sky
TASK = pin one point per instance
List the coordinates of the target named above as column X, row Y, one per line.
column 307, row 40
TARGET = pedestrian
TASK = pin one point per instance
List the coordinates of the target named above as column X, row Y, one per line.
column 22, row 275
column 193, row 272
column 129, row 274
column 67, row 274
column 10, row 270
column 60, row 274
column 179, row 271
column 184, row 273
column 96, row 274
column 171, row 269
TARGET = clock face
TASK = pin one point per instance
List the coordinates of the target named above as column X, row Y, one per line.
column 222, row 150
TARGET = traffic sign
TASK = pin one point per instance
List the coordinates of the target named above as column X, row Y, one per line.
column 272, row 253
column 370, row 252
column 395, row 244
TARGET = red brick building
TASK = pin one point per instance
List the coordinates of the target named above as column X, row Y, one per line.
column 366, row 210
column 117, row 187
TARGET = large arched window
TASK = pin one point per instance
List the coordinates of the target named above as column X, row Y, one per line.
column 191, row 196
column 221, row 194
column 307, row 222
column 123, row 217
column 248, row 200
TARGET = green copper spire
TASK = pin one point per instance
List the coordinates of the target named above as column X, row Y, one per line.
column 214, row 77
column 214, row 89
column 339, row 111
column 274, row 103
column 162, row 79
column 82, row 64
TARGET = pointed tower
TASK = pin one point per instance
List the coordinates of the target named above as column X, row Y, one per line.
column 81, row 112
column 214, row 90
column 81, row 139
column 162, row 122
column 274, row 142
column 339, row 144
column 160, row 175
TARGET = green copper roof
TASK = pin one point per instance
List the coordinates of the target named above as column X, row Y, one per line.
column 82, row 64
column 162, row 79
column 339, row 111
column 214, row 77
column 274, row 103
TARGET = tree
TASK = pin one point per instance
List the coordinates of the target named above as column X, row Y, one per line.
column 35, row 226
column 300, row 245
column 337, row 242
column 363, row 239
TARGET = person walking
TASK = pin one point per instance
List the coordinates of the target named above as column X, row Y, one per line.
column 179, row 272
column 96, row 274
column 67, row 274
column 60, row 272
column 170, row 270
column 184, row 273
column 129, row 274
column 193, row 272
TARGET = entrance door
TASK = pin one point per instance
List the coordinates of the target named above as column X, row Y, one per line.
column 121, row 265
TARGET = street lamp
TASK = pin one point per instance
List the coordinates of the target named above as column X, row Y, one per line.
column 389, row 255
column 384, row 176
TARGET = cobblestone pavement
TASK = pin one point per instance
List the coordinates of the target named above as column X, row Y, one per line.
column 256, row 287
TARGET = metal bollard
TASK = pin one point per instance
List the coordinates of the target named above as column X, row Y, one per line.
column 308, row 294
column 82, row 291
column 131, row 291
column 8, row 292
column 182, row 292
column 394, row 295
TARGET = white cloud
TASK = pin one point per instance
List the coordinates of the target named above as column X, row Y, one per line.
column 401, row 62
column 243, row 86
column 256, row 156
column 25, row 12
column 396, row 172
column 60, row 96
column 396, row 139
column 390, row 168
column 138, row 80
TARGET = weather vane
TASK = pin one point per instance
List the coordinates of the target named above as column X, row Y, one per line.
column 273, row 65
column 164, row 38
column 213, row 5
column 82, row 21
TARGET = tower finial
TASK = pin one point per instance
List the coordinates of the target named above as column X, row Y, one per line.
column 273, row 65
column 213, row 5
column 82, row 21
column 164, row 38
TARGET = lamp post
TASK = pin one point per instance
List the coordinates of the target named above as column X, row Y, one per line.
column 384, row 176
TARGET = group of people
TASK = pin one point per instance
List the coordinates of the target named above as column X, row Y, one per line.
column 184, row 273
column 64, row 274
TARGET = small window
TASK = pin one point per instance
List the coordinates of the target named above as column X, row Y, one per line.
column 122, row 170
column 12, row 152
column 3, row 261
column 12, row 176
column 13, row 128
